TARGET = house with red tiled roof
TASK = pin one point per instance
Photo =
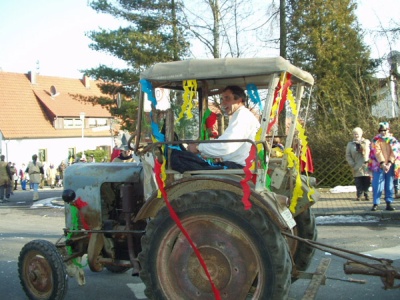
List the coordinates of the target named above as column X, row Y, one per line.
column 44, row 115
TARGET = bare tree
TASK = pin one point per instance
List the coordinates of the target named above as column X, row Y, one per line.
column 226, row 27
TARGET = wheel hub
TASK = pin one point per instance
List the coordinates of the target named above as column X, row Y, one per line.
column 39, row 275
column 221, row 251
column 218, row 267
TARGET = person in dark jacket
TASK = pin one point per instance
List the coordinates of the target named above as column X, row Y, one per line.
column 5, row 178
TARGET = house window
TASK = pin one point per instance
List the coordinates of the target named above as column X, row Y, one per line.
column 72, row 123
column 71, row 155
column 97, row 122
column 42, row 155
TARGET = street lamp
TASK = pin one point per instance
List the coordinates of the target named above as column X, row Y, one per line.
column 82, row 117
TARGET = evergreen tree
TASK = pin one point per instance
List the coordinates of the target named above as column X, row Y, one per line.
column 325, row 39
column 150, row 34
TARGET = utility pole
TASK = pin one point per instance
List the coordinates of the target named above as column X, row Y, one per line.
column 282, row 28
column 394, row 60
column 282, row 52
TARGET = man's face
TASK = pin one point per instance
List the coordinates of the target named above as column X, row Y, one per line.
column 228, row 103
column 384, row 132
column 126, row 153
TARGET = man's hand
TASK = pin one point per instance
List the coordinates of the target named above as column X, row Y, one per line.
column 386, row 167
column 193, row 148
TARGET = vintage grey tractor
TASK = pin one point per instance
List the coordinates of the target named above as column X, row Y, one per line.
column 202, row 234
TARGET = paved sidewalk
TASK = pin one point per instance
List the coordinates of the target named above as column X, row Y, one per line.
column 345, row 204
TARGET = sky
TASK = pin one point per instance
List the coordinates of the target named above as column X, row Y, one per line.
column 49, row 36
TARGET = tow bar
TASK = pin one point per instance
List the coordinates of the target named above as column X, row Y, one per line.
column 354, row 265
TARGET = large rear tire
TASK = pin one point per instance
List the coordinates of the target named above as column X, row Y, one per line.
column 244, row 251
column 42, row 271
column 306, row 229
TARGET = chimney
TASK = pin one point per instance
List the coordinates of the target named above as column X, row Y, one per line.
column 86, row 81
column 32, row 77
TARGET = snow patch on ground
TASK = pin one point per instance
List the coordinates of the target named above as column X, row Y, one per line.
column 340, row 219
column 345, row 189
column 48, row 202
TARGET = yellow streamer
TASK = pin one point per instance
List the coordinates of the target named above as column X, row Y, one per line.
column 298, row 191
column 163, row 173
column 275, row 107
column 293, row 162
column 163, row 177
column 260, row 147
column 190, row 88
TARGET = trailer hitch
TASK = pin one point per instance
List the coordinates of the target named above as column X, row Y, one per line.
column 355, row 265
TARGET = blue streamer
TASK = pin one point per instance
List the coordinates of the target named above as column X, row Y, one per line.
column 252, row 91
column 147, row 87
column 155, row 129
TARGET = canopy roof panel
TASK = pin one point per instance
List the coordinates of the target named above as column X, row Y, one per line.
column 220, row 72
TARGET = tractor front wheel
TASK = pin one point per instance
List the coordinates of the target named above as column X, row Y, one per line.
column 42, row 271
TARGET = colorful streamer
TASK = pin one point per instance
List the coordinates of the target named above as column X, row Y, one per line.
column 252, row 91
column 207, row 124
column 190, row 88
column 248, row 176
column 276, row 102
column 74, row 211
column 293, row 162
column 298, row 192
column 280, row 99
column 147, row 87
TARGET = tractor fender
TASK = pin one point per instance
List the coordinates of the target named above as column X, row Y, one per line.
column 270, row 202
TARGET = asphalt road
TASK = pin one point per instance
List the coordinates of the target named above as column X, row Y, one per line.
column 21, row 224
column 378, row 239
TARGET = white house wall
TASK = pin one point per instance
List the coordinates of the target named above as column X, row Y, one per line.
column 387, row 107
column 21, row 150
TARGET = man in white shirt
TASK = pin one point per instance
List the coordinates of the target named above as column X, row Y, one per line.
column 243, row 124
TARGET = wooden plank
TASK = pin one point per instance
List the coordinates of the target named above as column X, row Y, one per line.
column 317, row 279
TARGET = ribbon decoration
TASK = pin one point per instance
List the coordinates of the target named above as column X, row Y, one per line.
column 261, row 159
column 177, row 221
column 155, row 130
column 298, row 192
column 208, row 122
column 293, row 162
column 280, row 98
column 252, row 91
column 147, row 87
column 157, row 136
column 248, row 176
column 74, row 210
column 190, row 88
column 276, row 102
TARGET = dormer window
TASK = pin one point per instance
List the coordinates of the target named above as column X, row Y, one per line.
column 72, row 123
column 97, row 122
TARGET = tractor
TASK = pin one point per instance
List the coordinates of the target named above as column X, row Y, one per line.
column 201, row 234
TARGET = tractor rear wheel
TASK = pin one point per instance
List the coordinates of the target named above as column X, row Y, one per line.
column 306, row 229
column 244, row 251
